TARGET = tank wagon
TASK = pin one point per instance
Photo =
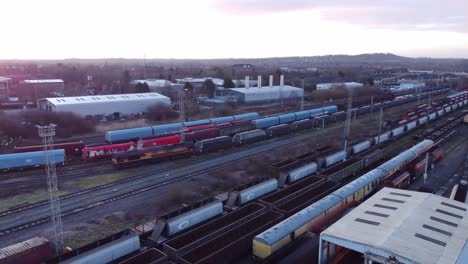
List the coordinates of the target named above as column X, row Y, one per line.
column 19, row 161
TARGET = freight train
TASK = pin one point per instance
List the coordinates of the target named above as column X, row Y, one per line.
column 26, row 160
column 170, row 129
column 275, row 238
column 228, row 126
column 281, row 125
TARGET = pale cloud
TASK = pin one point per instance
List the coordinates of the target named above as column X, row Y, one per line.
column 448, row 15
column 52, row 29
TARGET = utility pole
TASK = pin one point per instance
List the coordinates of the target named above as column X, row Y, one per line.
column 47, row 134
column 302, row 97
column 425, row 168
column 371, row 106
column 380, row 125
column 348, row 120
column 182, row 116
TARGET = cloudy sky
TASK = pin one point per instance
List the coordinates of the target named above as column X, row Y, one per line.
column 55, row 29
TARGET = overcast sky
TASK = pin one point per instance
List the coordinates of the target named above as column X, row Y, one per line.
column 56, row 29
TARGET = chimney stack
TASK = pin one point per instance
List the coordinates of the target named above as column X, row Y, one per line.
column 259, row 81
column 271, row 80
column 282, row 80
column 247, row 82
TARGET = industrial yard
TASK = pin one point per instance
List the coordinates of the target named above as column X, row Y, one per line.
column 234, row 132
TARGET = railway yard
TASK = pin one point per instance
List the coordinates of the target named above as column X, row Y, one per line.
column 232, row 204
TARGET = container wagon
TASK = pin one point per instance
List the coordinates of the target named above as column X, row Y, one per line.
column 106, row 151
column 71, row 148
column 19, row 161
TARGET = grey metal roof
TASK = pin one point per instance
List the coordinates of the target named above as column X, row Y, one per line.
column 414, row 227
column 44, row 81
column 266, row 89
column 103, row 98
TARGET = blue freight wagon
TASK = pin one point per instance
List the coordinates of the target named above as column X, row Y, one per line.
column 330, row 109
column 224, row 119
column 247, row 116
column 316, row 112
column 29, row 159
column 128, row 134
column 266, row 122
column 302, row 115
column 197, row 123
column 167, row 129
column 287, row 118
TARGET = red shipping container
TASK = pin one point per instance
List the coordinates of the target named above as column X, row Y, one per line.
column 162, row 141
column 106, row 151
column 32, row 251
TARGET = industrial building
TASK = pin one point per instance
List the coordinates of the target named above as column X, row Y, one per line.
column 32, row 90
column 103, row 104
column 409, row 85
column 401, row 226
column 265, row 94
column 198, row 82
column 153, row 83
column 347, row 85
column 4, row 88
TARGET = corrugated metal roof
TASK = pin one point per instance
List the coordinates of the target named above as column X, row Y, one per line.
column 267, row 89
column 104, row 98
column 22, row 246
column 44, row 81
column 414, row 227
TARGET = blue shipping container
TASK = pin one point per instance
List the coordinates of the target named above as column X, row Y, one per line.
column 247, row 116
column 221, row 119
column 197, row 123
column 266, row 122
column 166, row 129
column 316, row 112
column 302, row 115
column 330, row 109
column 287, row 118
column 128, row 134
column 29, row 159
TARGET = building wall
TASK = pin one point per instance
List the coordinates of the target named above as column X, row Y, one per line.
column 105, row 108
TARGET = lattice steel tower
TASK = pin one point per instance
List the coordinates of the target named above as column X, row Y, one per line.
column 47, row 134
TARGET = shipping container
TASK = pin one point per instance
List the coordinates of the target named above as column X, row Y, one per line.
column 162, row 141
column 196, row 123
column 287, row 118
column 167, row 129
column 398, row 131
column 302, row 115
column 247, row 116
column 30, row 159
column 301, row 172
column 32, row 251
column 224, row 119
column 106, row 151
column 411, row 126
column 71, row 148
column 334, row 158
column 360, row 147
column 128, row 134
column 266, row 122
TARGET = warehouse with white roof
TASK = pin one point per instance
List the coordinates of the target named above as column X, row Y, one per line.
column 265, row 94
column 401, row 226
column 103, row 104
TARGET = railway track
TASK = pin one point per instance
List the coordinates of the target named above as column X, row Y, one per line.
column 36, row 214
